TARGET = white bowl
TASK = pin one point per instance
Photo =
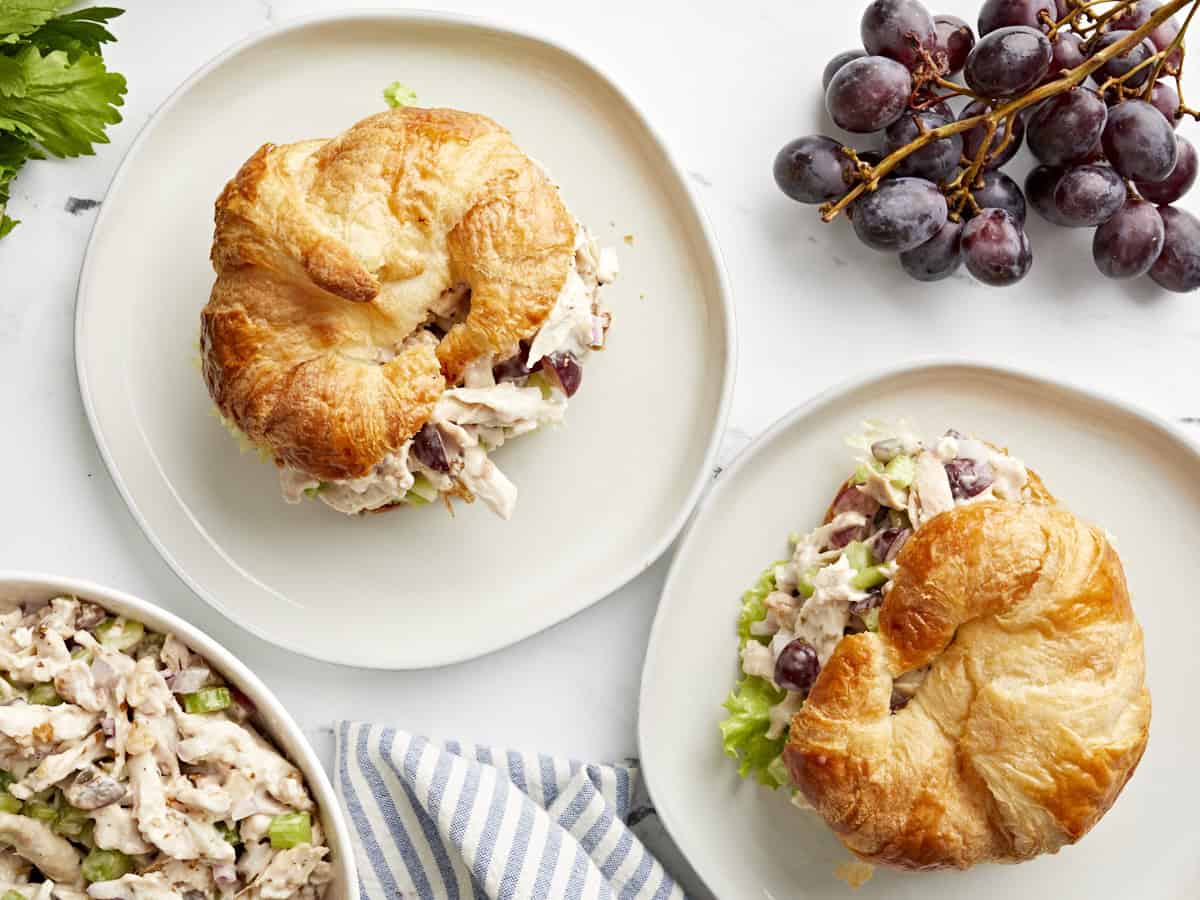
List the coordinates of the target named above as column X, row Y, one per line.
column 18, row 587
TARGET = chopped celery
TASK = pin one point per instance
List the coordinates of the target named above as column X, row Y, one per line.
column 9, row 803
column 313, row 491
column 422, row 487
column 44, row 695
column 82, row 653
column 538, row 380
column 106, row 865
column 229, row 833
column 859, row 555
column 150, row 645
column 120, row 633
column 871, row 619
column 42, row 811
column 779, row 771
column 804, row 583
column 397, row 94
column 13, row 895
column 870, row 577
column 900, row 471
column 207, row 700
column 289, row 830
column 71, row 822
column 5, row 780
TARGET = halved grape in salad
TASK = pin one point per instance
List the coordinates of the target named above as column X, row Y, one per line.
column 837, row 575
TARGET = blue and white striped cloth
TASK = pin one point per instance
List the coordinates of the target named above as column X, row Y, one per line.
column 443, row 822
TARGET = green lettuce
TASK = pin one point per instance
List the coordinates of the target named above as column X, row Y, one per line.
column 744, row 731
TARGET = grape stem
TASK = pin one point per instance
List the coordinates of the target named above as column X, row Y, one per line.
column 1071, row 78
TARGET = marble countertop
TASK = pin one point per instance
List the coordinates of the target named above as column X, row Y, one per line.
column 726, row 85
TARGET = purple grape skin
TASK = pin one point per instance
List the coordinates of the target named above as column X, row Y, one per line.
column 936, row 259
column 1089, row 195
column 1129, row 243
column 1008, row 61
column 890, row 542
column 899, row 30
column 835, row 65
column 1138, row 15
column 1139, row 141
column 1039, row 191
column 998, row 191
column 1178, row 183
column 868, row 94
column 900, row 215
column 1178, row 266
column 427, row 446
column 814, row 169
column 996, row 14
column 996, row 249
column 956, row 39
column 514, row 367
column 565, row 369
column 1067, row 127
column 936, row 161
column 1068, row 53
column 1165, row 99
column 969, row 477
column 1119, row 65
column 973, row 139
column 797, row 667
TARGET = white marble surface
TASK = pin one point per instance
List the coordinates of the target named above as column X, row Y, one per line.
column 727, row 85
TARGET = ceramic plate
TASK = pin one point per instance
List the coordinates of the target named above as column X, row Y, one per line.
column 1109, row 463
column 601, row 497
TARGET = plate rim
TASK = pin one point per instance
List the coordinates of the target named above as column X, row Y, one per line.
column 720, row 281
column 933, row 364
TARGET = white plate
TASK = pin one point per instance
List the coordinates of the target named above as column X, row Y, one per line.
column 1109, row 463
column 18, row 587
column 601, row 497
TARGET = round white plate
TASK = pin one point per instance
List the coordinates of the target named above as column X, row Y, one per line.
column 1109, row 463
column 601, row 497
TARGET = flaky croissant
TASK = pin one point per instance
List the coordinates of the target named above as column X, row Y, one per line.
column 1032, row 717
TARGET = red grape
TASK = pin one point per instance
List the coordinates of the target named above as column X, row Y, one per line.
column 973, row 139
column 868, row 94
column 937, row 258
column 900, row 215
column 1089, row 195
column 1165, row 99
column 1066, row 127
column 1178, row 183
column 1178, row 266
column 836, row 64
column 797, row 667
column 998, row 191
column 956, row 39
column 427, row 446
column 969, row 477
column 996, row 249
column 1067, row 54
column 814, row 169
column 996, row 14
column 899, row 30
column 1039, row 191
column 1128, row 244
column 1138, row 15
column 1118, row 66
column 1008, row 61
column 565, row 369
column 1139, row 141
column 935, row 161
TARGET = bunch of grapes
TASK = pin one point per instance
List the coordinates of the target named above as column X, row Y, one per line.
column 1094, row 88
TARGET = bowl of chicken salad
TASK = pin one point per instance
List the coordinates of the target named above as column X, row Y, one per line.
column 139, row 760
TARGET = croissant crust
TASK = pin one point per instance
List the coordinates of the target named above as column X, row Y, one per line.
column 329, row 255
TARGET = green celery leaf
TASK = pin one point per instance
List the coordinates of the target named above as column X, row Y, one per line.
column 745, row 730
column 21, row 17
column 66, row 105
column 78, row 32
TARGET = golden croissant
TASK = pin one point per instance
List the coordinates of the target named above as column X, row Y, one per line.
column 393, row 304
column 984, row 698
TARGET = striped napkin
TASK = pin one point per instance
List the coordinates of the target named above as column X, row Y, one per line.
column 449, row 821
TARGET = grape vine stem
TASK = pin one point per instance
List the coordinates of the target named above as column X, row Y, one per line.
column 1007, row 110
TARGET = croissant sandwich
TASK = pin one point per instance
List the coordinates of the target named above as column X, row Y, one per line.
column 394, row 304
column 948, row 670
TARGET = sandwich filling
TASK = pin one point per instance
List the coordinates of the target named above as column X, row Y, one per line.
column 838, row 575
column 498, row 399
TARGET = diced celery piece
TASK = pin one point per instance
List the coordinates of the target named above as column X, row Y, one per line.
column 42, row 811
column 150, row 645
column 44, row 694
column 5, row 780
column 870, row 577
column 900, row 471
column 9, row 803
column 71, row 822
column 120, row 633
column 422, row 487
column 106, row 865
column 804, row 583
column 13, row 895
column 207, row 700
column 871, row 619
column 289, row 830
column 859, row 555
column 82, row 653
column 538, row 380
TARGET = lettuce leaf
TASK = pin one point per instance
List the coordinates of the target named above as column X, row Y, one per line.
column 77, row 32
column 744, row 732
column 21, row 17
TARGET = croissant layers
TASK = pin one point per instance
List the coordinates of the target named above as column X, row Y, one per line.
column 1032, row 717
